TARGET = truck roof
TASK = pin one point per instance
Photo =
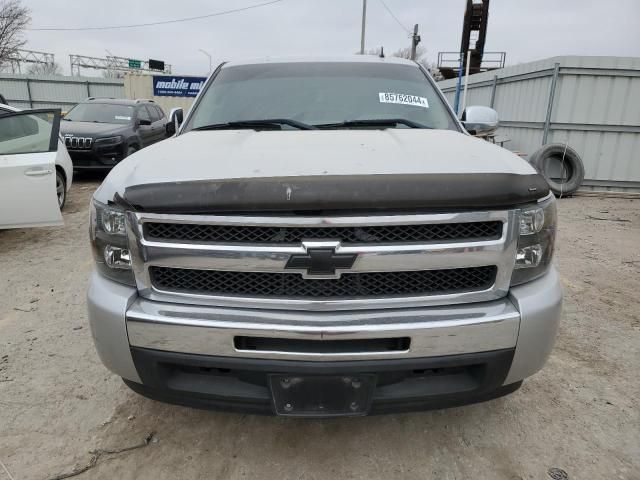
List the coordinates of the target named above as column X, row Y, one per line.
column 311, row 59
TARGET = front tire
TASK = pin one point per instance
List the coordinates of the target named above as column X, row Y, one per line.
column 61, row 189
column 131, row 150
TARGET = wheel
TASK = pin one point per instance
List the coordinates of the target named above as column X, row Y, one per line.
column 61, row 189
column 131, row 150
column 571, row 168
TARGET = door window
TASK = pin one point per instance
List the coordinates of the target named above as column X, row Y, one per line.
column 143, row 114
column 153, row 111
column 160, row 112
column 29, row 132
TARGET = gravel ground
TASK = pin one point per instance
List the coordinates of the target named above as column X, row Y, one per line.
column 580, row 414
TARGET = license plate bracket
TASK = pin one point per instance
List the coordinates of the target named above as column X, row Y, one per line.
column 321, row 396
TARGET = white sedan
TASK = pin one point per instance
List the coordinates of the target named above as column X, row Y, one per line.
column 35, row 168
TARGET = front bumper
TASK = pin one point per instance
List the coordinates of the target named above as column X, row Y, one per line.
column 485, row 349
column 242, row 385
column 99, row 157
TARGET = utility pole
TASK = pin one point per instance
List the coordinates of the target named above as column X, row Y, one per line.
column 364, row 22
column 415, row 40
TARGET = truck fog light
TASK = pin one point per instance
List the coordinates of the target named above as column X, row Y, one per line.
column 528, row 256
column 531, row 221
column 116, row 257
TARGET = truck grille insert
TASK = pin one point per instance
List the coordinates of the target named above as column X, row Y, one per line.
column 365, row 234
column 78, row 143
column 349, row 285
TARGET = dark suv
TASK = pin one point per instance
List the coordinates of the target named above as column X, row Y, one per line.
column 100, row 132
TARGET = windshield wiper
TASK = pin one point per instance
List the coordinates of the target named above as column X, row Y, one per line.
column 274, row 123
column 382, row 122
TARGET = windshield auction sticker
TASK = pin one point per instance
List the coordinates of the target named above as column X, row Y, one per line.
column 403, row 99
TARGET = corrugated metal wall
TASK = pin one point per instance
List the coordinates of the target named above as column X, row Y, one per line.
column 37, row 91
column 595, row 109
column 141, row 86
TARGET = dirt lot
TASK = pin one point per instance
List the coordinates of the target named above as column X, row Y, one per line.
column 580, row 414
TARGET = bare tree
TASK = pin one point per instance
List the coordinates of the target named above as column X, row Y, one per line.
column 372, row 51
column 406, row 52
column 45, row 69
column 421, row 58
column 112, row 74
column 14, row 18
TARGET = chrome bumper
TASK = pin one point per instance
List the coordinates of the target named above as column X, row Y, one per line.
column 432, row 332
column 527, row 319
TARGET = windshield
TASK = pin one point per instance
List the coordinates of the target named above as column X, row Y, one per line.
column 100, row 113
column 322, row 93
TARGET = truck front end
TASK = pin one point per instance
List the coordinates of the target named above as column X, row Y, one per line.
column 338, row 287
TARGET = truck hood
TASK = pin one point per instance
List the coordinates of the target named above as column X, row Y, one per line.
column 233, row 170
column 91, row 129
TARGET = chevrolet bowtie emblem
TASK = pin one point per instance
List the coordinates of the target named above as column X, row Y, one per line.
column 321, row 262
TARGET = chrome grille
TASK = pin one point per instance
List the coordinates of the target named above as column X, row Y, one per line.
column 351, row 234
column 401, row 260
column 78, row 143
column 349, row 285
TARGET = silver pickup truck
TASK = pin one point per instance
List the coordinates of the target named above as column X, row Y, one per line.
column 323, row 237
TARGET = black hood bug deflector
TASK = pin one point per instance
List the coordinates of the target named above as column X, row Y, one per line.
column 424, row 192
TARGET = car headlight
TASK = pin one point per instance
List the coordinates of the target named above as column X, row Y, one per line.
column 536, row 241
column 109, row 242
column 109, row 140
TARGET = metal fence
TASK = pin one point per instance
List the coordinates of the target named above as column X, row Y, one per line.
column 48, row 91
column 591, row 103
column 38, row 91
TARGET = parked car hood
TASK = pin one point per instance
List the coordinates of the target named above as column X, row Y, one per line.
column 91, row 129
column 234, row 170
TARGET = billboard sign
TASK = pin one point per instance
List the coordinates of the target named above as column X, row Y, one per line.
column 171, row 86
column 156, row 65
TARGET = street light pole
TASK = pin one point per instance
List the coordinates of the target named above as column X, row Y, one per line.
column 364, row 23
column 209, row 56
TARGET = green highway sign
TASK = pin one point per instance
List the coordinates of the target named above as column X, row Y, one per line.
column 134, row 63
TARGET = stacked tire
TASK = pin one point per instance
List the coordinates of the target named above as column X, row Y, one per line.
column 570, row 162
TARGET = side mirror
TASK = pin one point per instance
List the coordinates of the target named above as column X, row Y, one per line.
column 176, row 117
column 480, row 121
column 144, row 122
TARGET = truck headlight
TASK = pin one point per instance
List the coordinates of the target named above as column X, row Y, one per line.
column 109, row 242
column 531, row 220
column 109, row 140
column 536, row 241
